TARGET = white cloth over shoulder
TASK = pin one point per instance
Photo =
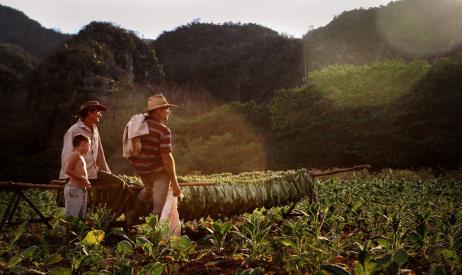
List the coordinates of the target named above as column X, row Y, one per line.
column 170, row 213
column 136, row 127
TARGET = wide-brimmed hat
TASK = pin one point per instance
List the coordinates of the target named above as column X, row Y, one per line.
column 158, row 101
column 91, row 104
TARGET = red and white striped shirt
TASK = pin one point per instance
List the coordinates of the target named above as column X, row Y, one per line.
column 157, row 141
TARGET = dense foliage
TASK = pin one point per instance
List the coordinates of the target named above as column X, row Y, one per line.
column 238, row 194
column 388, row 114
column 234, row 62
column 16, row 59
column 393, row 222
column 230, row 138
column 99, row 61
column 406, row 29
column 428, row 118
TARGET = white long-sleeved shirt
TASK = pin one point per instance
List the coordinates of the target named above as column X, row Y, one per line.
column 94, row 160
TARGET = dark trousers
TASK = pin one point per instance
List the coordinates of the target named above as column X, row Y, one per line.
column 109, row 191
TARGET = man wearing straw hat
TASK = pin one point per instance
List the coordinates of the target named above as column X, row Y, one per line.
column 155, row 163
column 96, row 165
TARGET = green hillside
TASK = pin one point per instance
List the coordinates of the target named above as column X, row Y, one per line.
column 406, row 29
column 388, row 114
column 374, row 84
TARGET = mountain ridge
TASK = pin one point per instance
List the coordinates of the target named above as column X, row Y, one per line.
column 17, row 28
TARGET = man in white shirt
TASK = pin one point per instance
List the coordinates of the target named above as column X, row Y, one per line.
column 97, row 168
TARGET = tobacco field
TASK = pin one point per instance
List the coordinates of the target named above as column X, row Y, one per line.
column 389, row 222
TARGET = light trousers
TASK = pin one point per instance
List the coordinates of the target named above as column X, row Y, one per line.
column 75, row 201
column 155, row 186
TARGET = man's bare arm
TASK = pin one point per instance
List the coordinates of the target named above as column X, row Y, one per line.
column 101, row 159
column 169, row 165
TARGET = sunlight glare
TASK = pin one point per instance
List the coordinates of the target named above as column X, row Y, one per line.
column 424, row 29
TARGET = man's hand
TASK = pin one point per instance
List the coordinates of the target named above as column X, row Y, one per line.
column 176, row 189
column 87, row 184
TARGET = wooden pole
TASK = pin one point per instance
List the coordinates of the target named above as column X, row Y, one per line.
column 24, row 185
column 336, row 171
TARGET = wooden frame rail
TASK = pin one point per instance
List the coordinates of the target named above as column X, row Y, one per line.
column 17, row 189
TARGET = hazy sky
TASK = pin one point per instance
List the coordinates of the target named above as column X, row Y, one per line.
column 149, row 18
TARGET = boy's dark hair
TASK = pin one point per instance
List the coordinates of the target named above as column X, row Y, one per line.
column 78, row 139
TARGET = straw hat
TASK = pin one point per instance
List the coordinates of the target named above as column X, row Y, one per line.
column 158, row 101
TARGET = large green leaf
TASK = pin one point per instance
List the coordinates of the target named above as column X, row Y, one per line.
column 14, row 261
column 29, row 252
column 182, row 244
column 400, row 257
column 53, row 259
column 124, row 247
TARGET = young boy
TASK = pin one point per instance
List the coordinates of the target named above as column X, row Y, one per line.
column 76, row 190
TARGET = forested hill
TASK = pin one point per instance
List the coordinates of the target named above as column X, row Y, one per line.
column 101, row 62
column 17, row 28
column 407, row 29
column 232, row 61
